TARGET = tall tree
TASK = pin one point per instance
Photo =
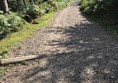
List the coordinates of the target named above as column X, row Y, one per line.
column 4, row 6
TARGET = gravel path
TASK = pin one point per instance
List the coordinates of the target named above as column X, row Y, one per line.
column 73, row 49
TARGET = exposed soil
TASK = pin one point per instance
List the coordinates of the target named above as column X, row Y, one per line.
column 73, row 49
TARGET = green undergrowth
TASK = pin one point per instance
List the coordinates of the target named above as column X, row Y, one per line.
column 27, row 31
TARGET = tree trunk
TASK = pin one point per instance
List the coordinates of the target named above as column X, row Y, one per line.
column 5, row 6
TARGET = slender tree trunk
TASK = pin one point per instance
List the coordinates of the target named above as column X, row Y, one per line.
column 5, row 7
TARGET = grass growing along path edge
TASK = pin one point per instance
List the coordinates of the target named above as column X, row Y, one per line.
column 27, row 31
column 17, row 37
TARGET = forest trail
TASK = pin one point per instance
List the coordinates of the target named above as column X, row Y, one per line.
column 72, row 49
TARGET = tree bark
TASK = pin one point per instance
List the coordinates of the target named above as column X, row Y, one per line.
column 5, row 7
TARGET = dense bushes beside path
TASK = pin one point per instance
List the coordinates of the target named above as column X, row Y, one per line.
column 100, row 7
column 9, row 23
column 30, row 10
column 25, row 10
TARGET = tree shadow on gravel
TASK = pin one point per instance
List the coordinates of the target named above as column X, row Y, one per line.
column 92, row 57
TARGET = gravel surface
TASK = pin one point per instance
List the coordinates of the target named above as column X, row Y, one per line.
column 73, row 49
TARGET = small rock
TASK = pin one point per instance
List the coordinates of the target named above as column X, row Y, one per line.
column 112, row 77
column 107, row 71
column 81, row 41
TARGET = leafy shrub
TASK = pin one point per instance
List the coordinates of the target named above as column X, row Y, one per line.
column 12, row 22
column 16, row 5
column 99, row 7
column 45, row 6
column 89, row 6
column 33, row 11
column 53, row 5
column 15, row 23
column 30, row 11
column 9, row 23
column 3, row 26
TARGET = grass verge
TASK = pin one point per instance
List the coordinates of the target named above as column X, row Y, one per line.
column 27, row 31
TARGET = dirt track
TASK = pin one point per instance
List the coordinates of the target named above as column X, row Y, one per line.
column 73, row 50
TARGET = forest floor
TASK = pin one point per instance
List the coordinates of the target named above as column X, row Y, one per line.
column 72, row 49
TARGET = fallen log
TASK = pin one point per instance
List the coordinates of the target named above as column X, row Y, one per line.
column 18, row 59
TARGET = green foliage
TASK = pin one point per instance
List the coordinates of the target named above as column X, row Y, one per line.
column 99, row 7
column 3, row 26
column 27, row 10
column 17, row 5
column 13, row 21
column 33, row 11
column 9, row 23
column 90, row 6
column 27, row 31
column 50, row 5
column 105, row 10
